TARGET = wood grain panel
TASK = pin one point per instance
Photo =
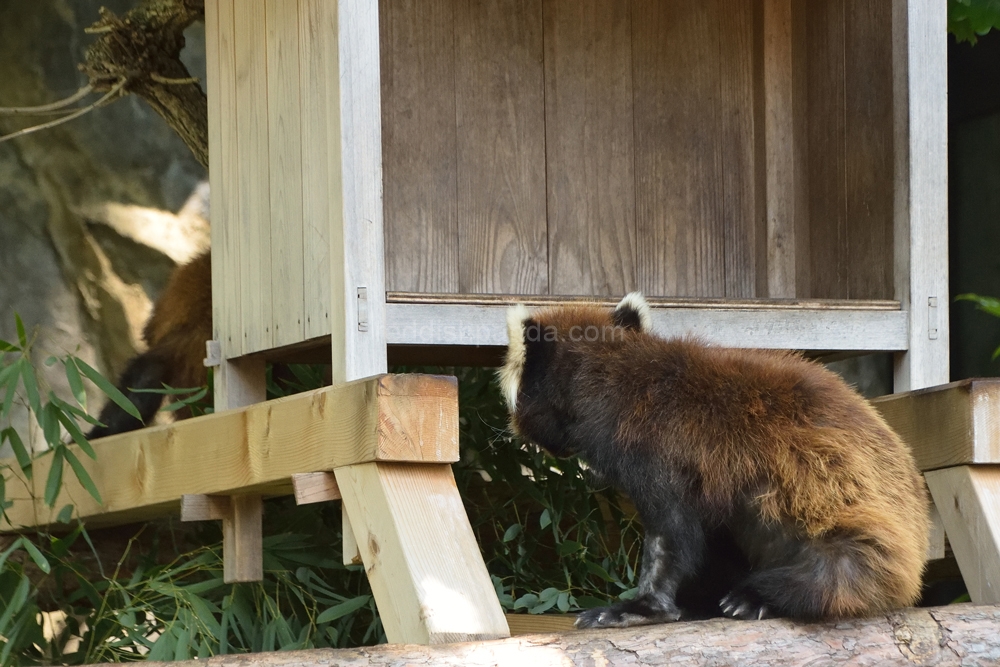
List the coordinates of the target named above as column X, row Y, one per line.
column 827, row 160
column 742, row 218
column 419, row 158
column 253, row 181
column 315, row 29
column 284, row 126
column 501, row 147
column 869, row 148
column 224, row 175
column 680, row 227
column 590, row 175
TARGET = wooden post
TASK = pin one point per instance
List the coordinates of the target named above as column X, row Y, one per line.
column 920, row 66
column 242, row 549
column 428, row 577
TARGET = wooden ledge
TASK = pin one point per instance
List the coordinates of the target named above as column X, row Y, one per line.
column 143, row 474
column 953, row 635
column 948, row 425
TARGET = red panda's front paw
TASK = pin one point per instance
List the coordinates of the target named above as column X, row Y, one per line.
column 628, row 613
column 745, row 606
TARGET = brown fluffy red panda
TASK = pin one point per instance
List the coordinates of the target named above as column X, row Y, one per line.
column 757, row 474
column 175, row 336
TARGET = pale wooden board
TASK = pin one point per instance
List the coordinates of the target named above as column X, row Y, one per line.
column 351, row 554
column 201, row 507
column 284, row 130
column 676, row 52
column 948, row 425
column 242, row 540
column 315, row 487
column 827, row 161
column 145, row 473
column 936, row 543
column 743, row 182
column 869, row 150
column 969, row 501
column 590, row 176
column 779, row 328
column 920, row 84
column 402, row 516
column 501, row 147
column 783, row 175
column 354, row 131
column 224, row 175
column 315, row 29
column 533, row 624
column 253, row 180
column 419, row 144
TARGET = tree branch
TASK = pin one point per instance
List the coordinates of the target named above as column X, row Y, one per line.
column 142, row 48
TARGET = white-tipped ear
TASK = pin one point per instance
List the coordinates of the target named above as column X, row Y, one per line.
column 633, row 308
column 510, row 373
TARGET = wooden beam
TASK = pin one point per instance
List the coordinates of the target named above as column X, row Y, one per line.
column 949, row 636
column 968, row 498
column 352, row 554
column 949, row 425
column 315, row 487
column 143, row 474
column 426, row 573
column 732, row 325
column 242, row 540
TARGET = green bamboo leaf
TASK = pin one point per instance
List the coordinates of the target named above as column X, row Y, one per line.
column 22, row 337
column 184, row 402
column 512, row 532
column 11, row 391
column 74, row 430
column 545, row 519
column 65, row 514
column 75, row 382
column 81, row 474
column 17, row 601
column 15, row 545
column 36, row 555
column 7, row 371
column 54, row 481
column 50, row 425
column 20, row 451
column 342, row 609
column 8, row 347
column 109, row 389
column 31, row 387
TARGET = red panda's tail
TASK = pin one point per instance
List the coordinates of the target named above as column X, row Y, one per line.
column 145, row 371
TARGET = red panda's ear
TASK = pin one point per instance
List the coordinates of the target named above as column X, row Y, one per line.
column 633, row 313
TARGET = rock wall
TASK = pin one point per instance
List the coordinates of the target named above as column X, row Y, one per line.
column 94, row 213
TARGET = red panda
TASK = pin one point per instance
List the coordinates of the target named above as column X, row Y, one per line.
column 820, row 501
column 175, row 335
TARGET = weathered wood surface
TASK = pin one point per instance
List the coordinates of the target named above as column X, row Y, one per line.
column 948, row 425
column 143, row 474
column 945, row 636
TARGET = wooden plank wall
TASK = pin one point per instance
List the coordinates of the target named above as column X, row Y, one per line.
column 590, row 147
column 272, row 203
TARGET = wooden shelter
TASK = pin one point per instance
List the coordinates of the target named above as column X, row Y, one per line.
column 388, row 176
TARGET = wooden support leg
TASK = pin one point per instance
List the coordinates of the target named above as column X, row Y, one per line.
column 968, row 498
column 428, row 577
column 242, row 537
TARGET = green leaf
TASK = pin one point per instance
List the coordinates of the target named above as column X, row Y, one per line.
column 548, row 594
column 75, row 382
column 20, row 451
column 343, row 609
column 22, row 337
column 512, row 532
column 14, row 546
column 11, row 390
column 54, row 481
column 36, row 555
column 65, row 514
column 74, row 430
column 50, row 425
column 17, row 601
column 597, row 570
column 109, row 389
column 177, row 405
column 31, row 387
column 563, row 602
column 8, row 347
column 81, row 474
column 545, row 519
column 568, row 547
column 526, row 601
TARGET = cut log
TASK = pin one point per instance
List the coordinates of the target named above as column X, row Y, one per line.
column 953, row 635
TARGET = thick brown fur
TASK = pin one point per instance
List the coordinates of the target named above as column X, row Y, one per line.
column 822, row 498
column 175, row 336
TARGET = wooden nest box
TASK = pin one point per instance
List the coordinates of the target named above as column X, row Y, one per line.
column 770, row 173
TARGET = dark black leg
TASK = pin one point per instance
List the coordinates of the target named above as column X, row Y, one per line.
column 145, row 371
column 671, row 554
